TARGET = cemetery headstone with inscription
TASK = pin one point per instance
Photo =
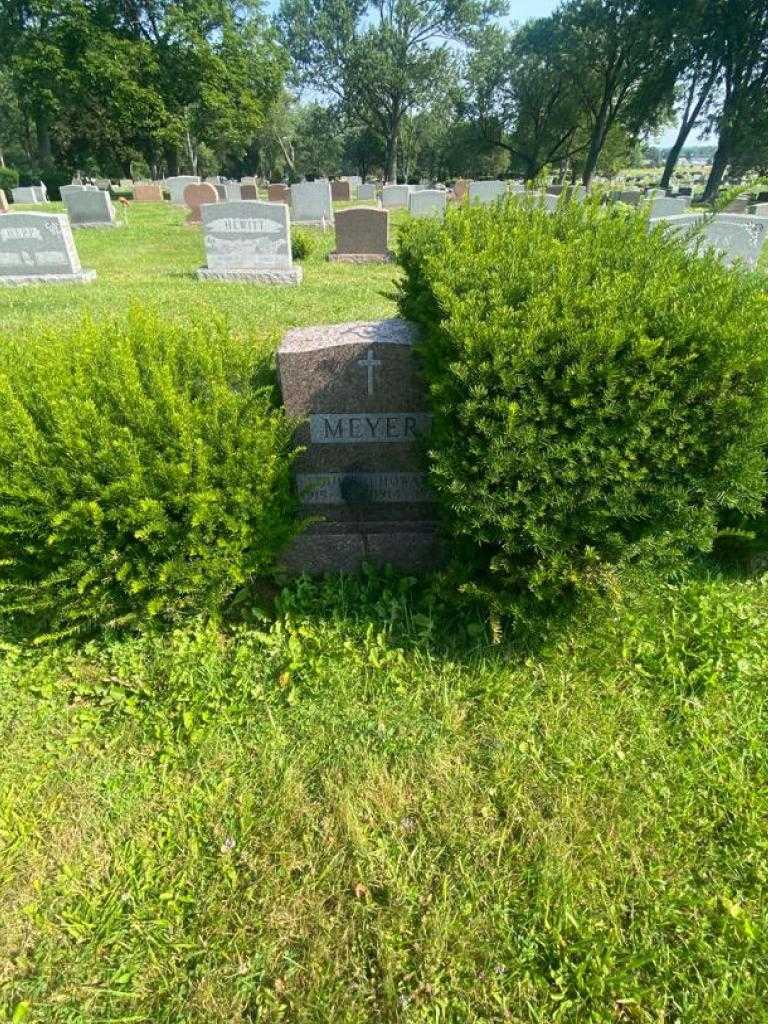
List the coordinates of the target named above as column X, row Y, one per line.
column 357, row 390
column 28, row 194
column 145, row 193
column 197, row 195
column 736, row 236
column 89, row 207
column 395, row 197
column 278, row 193
column 177, row 184
column 248, row 190
column 361, row 236
column 487, row 191
column 248, row 241
column 341, row 191
column 366, row 192
column 38, row 248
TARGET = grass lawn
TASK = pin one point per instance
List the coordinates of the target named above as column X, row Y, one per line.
column 370, row 807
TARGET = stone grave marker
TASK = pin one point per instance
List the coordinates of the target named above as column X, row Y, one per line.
column 232, row 191
column 27, row 194
column 38, row 248
column 427, row 202
column 195, row 196
column 89, row 208
column 341, row 191
column 248, row 190
column 363, row 405
column 277, row 192
column 248, row 241
column 630, row 198
column 361, row 236
column 177, row 184
column 3, row 202
column 395, row 197
column 311, row 202
column 147, row 193
column 663, row 206
column 460, row 190
column 221, row 192
column 487, row 191
column 736, row 236
column 760, row 210
column 367, row 191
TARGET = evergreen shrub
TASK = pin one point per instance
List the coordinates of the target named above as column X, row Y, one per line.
column 599, row 392
column 9, row 179
column 144, row 474
column 302, row 244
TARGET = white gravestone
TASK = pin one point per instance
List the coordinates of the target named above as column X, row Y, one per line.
column 89, row 208
column 487, row 191
column 311, row 203
column 664, row 206
column 28, row 194
column 736, row 236
column 395, row 197
column 232, row 191
column 38, row 248
column 177, row 184
column 248, row 241
column 366, row 191
column 427, row 202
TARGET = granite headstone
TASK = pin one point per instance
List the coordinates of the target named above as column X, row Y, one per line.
column 89, row 207
column 311, row 203
column 487, row 191
column 147, row 193
column 366, row 192
column 736, row 236
column 248, row 241
column 427, row 202
column 341, row 191
column 196, row 195
column 361, row 236
column 277, row 192
column 177, row 184
column 363, row 405
column 38, row 248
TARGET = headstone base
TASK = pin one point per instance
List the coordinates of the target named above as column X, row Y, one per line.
column 291, row 276
column 84, row 277
column 97, row 224
column 325, row 548
column 360, row 257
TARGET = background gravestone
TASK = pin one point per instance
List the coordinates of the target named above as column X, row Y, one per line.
column 89, row 208
column 144, row 193
column 361, row 236
column 341, row 191
column 278, row 193
column 366, row 191
column 311, row 202
column 232, row 191
column 735, row 236
column 248, row 241
column 395, row 197
column 195, row 196
column 177, row 184
column 248, row 190
column 663, row 206
column 460, row 190
column 27, row 194
column 38, row 248
column 427, row 202
column 363, row 405
column 486, row 191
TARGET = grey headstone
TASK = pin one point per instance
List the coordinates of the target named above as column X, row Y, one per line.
column 341, row 191
column 89, row 208
column 177, row 184
column 311, row 203
column 735, row 236
column 232, row 192
column 363, row 405
column 248, row 241
column 395, row 197
column 366, row 191
column 669, row 207
column 27, row 194
column 361, row 236
column 487, row 191
column 428, row 202
column 38, row 248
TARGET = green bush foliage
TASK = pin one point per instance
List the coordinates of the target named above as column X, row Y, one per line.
column 144, row 473
column 302, row 244
column 8, row 178
column 599, row 392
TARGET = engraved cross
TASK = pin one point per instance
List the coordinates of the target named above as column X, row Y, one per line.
column 369, row 364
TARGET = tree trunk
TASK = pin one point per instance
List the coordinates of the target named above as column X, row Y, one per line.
column 674, row 154
column 43, row 139
column 719, row 165
column 596, row 143
column 391, row 168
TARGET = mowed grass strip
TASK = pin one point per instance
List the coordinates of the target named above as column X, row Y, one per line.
column 340, row 819
column 151, row 261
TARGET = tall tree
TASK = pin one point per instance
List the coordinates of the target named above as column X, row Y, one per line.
column 522, row 96
column 739, row 30
column 379, row 59
column 620, row 58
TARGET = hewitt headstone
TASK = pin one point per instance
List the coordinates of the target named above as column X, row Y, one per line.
column 361, row 236
column 89, row 207
column 38, row 248
column 427, row 202
column 487, row 191
column 196, row 195
column 363, row 405
column 248, row 241
column 177, row 184
column 145, row 193
column 311, row 202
